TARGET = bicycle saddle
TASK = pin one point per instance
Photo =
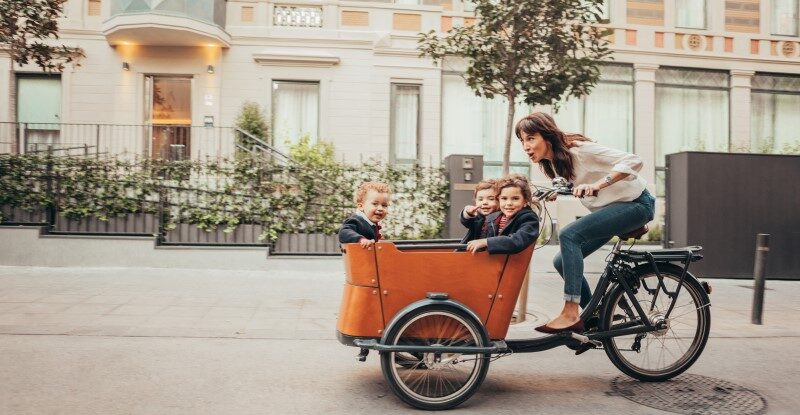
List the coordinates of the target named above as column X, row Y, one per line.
column 635, row 234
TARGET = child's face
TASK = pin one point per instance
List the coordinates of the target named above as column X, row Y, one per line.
column 511, row 201
column 375, row 205
column 486, row 201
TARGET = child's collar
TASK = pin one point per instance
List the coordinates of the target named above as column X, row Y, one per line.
column 364, row 215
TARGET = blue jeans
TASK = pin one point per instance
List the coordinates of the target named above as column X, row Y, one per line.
column 587, row 234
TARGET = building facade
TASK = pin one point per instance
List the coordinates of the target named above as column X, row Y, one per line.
column 708, row 75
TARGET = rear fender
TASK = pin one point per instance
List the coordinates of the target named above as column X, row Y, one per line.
column 677, row 270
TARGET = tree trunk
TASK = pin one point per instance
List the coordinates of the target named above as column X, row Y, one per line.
column 509, row 128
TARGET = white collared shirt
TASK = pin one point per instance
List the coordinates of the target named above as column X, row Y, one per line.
column 364, row 215
column 593, row 162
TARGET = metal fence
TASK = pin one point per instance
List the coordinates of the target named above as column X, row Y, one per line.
column 174, row 210
column 170, row 142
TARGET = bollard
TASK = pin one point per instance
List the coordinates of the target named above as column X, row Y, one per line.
column 762, row 248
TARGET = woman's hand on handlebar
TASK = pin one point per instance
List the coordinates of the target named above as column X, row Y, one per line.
column 583, row 190
column 477, row 245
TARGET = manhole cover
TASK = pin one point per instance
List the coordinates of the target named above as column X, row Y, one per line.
column 693, row 395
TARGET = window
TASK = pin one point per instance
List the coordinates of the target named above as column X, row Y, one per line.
column 774, row 122
column 404, row 121
column 475, row 125
column 691, row 112
column 469, row 6
column 690, row 14
column 606, row 114
column 295, row 112
column 605, row 10
column 784, row 17
column 39, row 106
column 248, row 14
column 95, row 8
column 170, row 114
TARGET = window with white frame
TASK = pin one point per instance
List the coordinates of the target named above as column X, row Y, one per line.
column 692, row 113
column 784, row 17
column 774, row 121
column 606, row 114
column 39, row 107
column 690, row 14
column 475, row 125
column 405, row 103
column 295, row 112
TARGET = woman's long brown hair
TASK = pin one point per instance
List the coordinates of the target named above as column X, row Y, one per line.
column 563, row 164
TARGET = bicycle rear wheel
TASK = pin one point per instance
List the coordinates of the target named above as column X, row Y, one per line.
column 663, row 354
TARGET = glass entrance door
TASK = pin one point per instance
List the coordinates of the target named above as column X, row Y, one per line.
column 170, row 115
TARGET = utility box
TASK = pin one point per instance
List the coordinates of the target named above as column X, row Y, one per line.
column 464, row 171
column 721, row 201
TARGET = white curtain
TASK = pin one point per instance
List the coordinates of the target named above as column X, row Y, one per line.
column 784, row 17
column 690, row 119
column 774, row 122
column 405, row 122
column 462, row 117
column 473, row 125
column 295, row 112
column 569, row 117
column 691, row 13
column 609, row 115
column 605, row 116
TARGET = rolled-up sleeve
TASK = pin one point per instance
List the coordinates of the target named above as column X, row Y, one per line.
column 621, row 161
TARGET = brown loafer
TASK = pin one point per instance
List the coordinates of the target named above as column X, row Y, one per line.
column 577, row 328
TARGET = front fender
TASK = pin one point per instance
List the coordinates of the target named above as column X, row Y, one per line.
column 431, row 302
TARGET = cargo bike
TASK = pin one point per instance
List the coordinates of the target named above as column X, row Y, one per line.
column 438, row 315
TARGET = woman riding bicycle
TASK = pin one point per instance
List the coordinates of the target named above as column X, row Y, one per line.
column 623, row 205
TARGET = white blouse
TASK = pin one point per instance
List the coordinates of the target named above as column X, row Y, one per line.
column 592, row 162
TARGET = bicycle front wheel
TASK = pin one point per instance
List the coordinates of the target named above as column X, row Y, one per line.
column 440, row 380
column 663, row 354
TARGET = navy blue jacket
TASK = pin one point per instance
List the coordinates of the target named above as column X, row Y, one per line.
column 354, row 228
column 473, row 226
column 519, row 233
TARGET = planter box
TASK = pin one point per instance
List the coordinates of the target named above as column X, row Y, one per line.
column 136, row 223
column 184, row 233
column 307, row 243
column 22, row 216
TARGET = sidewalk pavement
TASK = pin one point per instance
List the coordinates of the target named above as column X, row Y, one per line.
column 147, row 340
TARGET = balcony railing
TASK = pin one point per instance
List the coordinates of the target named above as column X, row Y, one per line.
column 297, row 16
column 171, row 142
column 167, row 23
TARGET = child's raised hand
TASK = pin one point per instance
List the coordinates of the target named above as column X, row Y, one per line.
column 477, row 245
column 366, row 243
column 471, row 210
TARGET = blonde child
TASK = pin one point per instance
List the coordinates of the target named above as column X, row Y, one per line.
column 372, row 206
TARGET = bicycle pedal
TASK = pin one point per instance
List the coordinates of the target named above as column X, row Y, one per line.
column 584, row 348
column 362, row 355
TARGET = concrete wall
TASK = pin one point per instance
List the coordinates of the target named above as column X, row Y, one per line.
column 24, row 246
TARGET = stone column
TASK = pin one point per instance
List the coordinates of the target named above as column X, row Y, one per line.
column 644, row 120
column 740, row 111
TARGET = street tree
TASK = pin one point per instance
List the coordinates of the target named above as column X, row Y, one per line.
column 533, row 51
column 29, row 32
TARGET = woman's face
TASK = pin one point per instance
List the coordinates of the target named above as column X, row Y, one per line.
column 536, row 147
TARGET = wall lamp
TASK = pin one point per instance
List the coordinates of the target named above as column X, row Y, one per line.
column 126, row 66
column 210, row 69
